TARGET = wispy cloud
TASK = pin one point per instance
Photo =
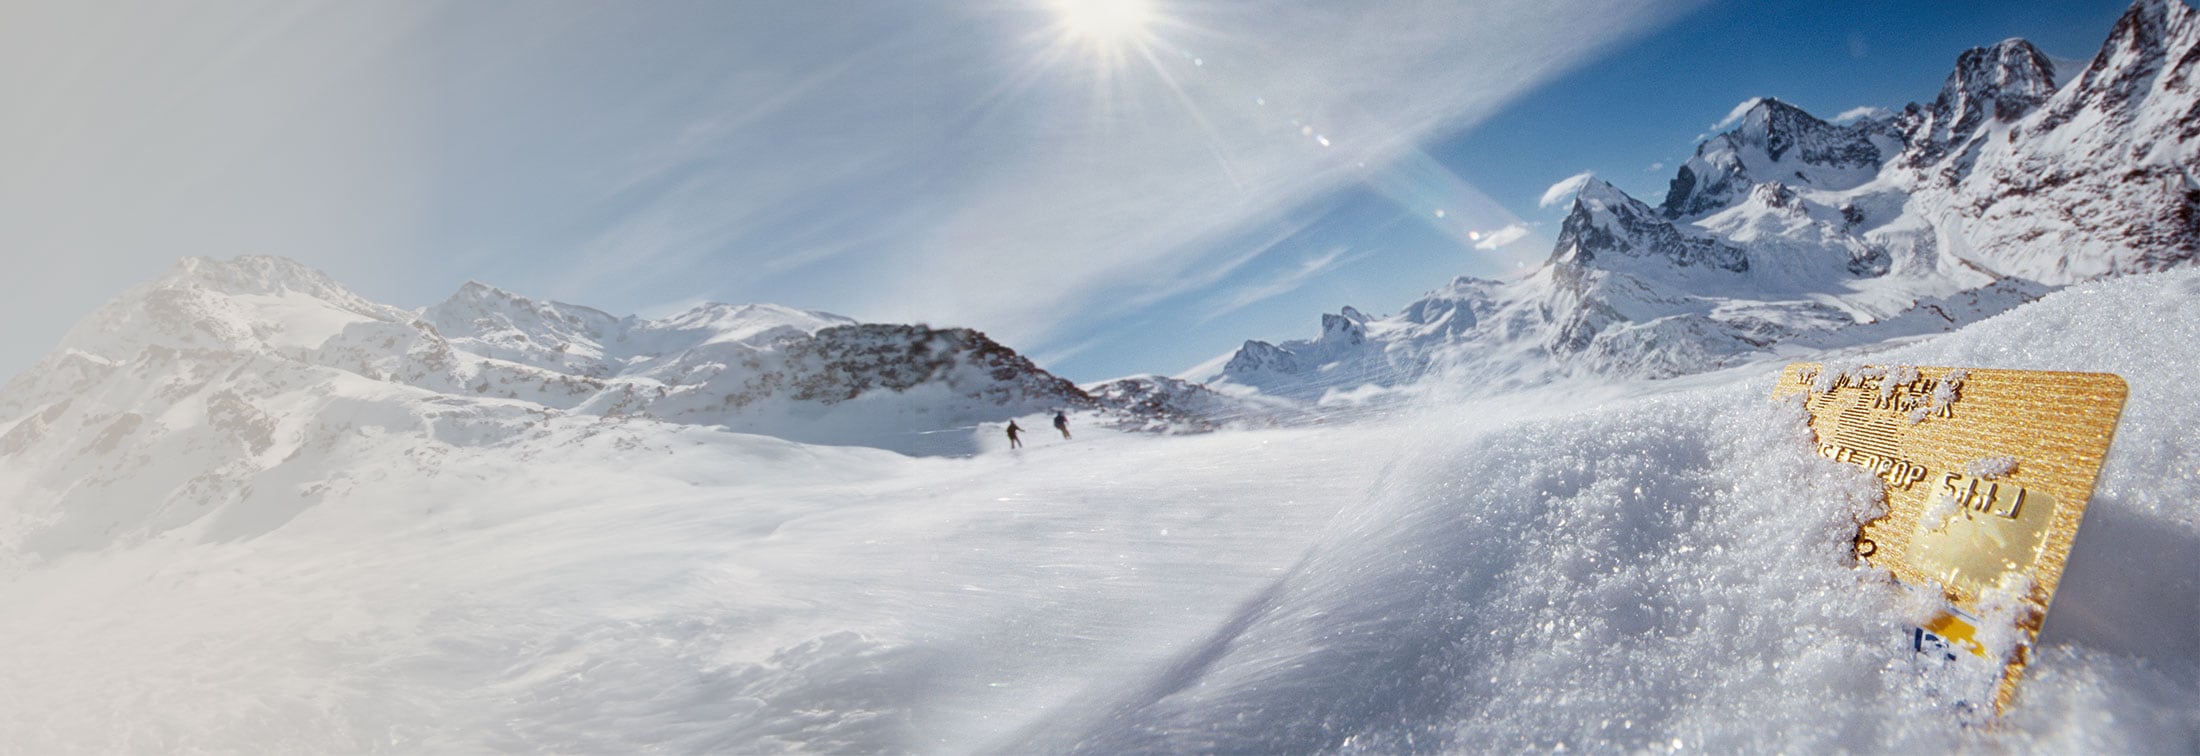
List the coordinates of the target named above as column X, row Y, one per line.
column 1224, row 123
column 1735, row 116
column 1284, row 282
column 1565, row 188
column 1503, row 236
column 879, row 158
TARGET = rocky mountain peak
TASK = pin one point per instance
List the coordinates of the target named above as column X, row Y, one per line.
column 2008, row 79
column 2148, row 26
column 1260, row 358
column 2131, row 65
column 1997, row 84
column 1777, row 127
column 1345, row 329
column 1608, row 229
column 1774, row 141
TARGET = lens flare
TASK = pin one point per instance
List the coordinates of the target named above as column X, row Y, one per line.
column 1103, row 24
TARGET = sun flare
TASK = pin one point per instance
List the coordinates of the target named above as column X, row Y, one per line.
column 1103, row 24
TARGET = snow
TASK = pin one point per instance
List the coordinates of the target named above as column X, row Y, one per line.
column 1862, row 113
column 1565, row 189
column 1790, row 232
column 243, row 509
column 1590, row 565
column 1991, row 467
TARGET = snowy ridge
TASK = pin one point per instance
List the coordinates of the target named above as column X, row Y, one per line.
column 491, row 322
column 766, row 369
column 2099, row 180
column 1788, row 232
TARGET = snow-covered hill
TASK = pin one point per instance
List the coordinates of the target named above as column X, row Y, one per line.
column 264, row 554
column 1791, row 233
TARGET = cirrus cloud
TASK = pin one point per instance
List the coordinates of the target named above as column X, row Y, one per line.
column 1495, row 239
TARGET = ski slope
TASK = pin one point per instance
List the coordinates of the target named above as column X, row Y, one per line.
column 1636, row 566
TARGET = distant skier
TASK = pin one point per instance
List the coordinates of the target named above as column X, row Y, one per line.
column 1061, row 423
column 1013, row 441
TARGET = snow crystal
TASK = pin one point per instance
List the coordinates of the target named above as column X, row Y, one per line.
column 1938, row 510
column 1894, row 378
column 1990, row 467
column 2001, row 612
column 1950, row 387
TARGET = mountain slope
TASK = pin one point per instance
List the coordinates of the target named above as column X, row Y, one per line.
column 1789, row 232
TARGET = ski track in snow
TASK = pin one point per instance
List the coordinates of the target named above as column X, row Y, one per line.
column 1623, row 567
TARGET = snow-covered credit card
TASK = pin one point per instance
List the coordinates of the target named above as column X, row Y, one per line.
column 1987, row 475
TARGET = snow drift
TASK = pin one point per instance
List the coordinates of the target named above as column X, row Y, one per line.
column 1614, row 566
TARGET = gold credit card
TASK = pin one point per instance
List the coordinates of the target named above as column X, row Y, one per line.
column 1987, row 474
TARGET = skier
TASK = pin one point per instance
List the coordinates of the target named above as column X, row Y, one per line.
column 1014, row 442
column 1061, row 423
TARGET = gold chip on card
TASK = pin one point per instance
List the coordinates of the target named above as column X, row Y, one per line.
column 1987, row 474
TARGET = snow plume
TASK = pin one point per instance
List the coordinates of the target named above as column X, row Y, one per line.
column 1855, row 114
column 1565, row 189
column 1735, row 116
column 1501, row 237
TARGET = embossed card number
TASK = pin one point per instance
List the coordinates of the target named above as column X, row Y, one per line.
column 1994, row 529
column 1987, row 475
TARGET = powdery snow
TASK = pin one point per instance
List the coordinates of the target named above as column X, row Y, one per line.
column 1596, row 566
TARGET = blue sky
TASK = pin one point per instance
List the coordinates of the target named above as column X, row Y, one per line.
column 1137, row 198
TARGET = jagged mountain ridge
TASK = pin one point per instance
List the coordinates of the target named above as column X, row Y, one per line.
column 1778, row 142
column 1789, row 232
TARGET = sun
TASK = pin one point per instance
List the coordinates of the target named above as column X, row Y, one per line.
column 1102, row 41
column 1103, row 25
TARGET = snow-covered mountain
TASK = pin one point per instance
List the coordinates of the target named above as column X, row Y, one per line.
column 1789, row 232
column 213, row 346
